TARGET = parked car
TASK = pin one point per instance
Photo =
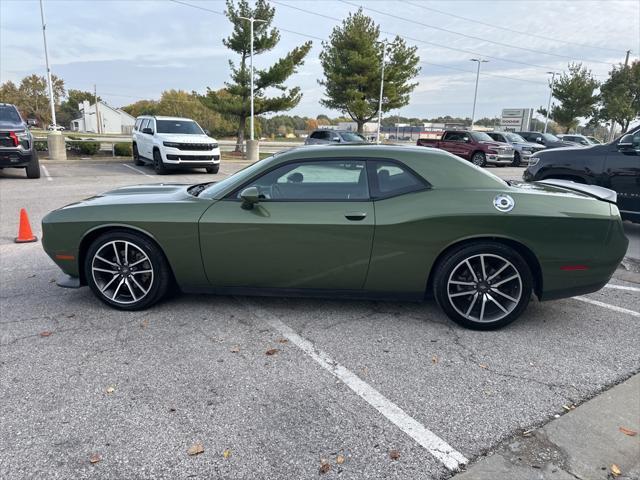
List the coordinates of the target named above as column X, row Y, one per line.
column 576, row 138
column 477, row 147
column 173, row 143
column 52, row 127
column 17, row 149
column 614, row 165
column 326, row 136
column 522, row 149
column 549, row 140
column 302, row 222
column 594, row 140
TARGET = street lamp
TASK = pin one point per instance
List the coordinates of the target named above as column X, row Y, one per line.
column 475, row 95
column 252, row 151
column 384, row 51
column 546, row 119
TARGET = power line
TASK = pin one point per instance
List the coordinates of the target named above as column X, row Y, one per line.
column 512, row 30
column 473, row 37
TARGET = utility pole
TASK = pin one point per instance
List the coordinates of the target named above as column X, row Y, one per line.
column 475, row 95
column 546, row 118
column 384, row 51
column 626, row 60
column 55, row 140
column 252, row 150
column 95, row 98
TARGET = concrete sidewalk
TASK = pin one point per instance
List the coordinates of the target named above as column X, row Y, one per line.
column 583, row 444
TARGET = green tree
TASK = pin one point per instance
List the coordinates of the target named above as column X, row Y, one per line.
column 33, row 97
column 575, row 90
column 9, row 93
column 352, row 61
column 142, row 107
column 620, row 95
column 235, row 102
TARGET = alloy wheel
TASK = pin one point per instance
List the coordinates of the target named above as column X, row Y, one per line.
column 122, row 271
column 484, row 288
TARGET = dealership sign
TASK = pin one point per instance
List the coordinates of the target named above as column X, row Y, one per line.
column 516, row 119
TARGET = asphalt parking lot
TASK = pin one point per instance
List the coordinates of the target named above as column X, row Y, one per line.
column 273, row 387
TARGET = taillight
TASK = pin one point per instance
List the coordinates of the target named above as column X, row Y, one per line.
column 14, row 137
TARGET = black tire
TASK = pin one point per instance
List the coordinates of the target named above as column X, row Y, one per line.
column 516, row 159
column 491, row 254
column 214, row 169
column 157, row 282
column 33, row 168
column 479, row 159
column 158, row 164
column 136, row 156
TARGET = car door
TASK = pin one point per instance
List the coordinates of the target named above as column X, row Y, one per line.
column 143, row 139
column 312, row 229
column 452, row 143
column 622, row 174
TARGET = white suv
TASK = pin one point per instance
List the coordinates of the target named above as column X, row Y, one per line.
column 173, row 142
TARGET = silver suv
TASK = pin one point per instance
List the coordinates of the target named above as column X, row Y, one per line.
column 326, row 136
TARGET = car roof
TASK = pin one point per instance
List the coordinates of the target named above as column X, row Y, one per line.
column 162, row 117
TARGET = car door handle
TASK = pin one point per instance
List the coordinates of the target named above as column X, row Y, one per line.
column 355, row 216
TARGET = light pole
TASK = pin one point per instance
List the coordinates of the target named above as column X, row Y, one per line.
column 55, row 141
column 546, row 118
column 475, row 95
column 384, row 51
column 252, row 150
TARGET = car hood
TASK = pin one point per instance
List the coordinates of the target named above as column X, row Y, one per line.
column 495, row 144
column 185, row 138
column 531, row 145
column 138, row 194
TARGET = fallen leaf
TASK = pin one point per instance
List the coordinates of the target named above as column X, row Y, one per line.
column 568, row 408
column 46, row 333
column 482, row 365
column 71, row 315
column 628, row 431
column 615, row 470
column 394, row 455
column 282, row 340
column 226, row 453
column 111, row 389
column 195, row 449
column 527, row 433
column 144, row 324
column 340, row 459
column 235, row 349
column 95, row 458
column 272, row 351
column 434, row 359
column 324, row 467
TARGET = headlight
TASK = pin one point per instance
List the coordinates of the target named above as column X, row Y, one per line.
column 214, row 146
column 533, row 161
column 493, row 152
column 526, row 150
column 171, row 144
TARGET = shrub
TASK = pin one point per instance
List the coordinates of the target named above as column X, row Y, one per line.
column 84, row 148
column 123, row 149
column 41, row 145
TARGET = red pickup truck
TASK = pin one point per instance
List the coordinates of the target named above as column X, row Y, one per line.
column 477, row 147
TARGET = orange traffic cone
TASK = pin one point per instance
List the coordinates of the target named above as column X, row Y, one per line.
column 25, row 234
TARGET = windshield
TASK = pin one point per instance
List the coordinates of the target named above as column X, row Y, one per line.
column 482, row 137
column 352, row 137
column 178, row 126
column 550, row 137
column 238, row 177
column 8, row 113
column 514, row 137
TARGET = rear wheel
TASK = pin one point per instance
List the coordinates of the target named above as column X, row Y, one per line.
column 136, row 156
column 479, row 159
column 158, row 164
column 516, row 159
column 126, row 270
column 33, row 168
column 213, row 169
column 483, row 286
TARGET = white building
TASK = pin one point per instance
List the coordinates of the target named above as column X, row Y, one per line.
column 112, row 120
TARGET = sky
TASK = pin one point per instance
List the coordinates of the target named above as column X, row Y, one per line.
column 135, row 49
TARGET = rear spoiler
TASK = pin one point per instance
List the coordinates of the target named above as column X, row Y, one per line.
column 595, row 191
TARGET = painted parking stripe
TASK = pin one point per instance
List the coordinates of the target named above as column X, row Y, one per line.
column 623, row 287
column 615, row 308
column 138, row 170
column 46, row 173
column 451, row 458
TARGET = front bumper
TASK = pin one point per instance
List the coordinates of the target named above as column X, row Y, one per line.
column 15, row 157
column 499, row 158
column 176, row 158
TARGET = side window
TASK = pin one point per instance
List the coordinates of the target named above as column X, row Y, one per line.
column 391, row 179
column 336, row 180
column 455, row 136
column 316, row 135
column 136, row 126
column 151, row 124
column 326, row 135
column 144, row 124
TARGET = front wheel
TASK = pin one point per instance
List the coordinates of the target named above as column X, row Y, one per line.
column 213, row 169
column 33, row 168
column 483, row 286
column 516, row 159
column 126, row 270
column 479, row 159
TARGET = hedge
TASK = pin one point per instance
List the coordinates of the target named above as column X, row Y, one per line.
column 84, row 148
column 123, row 149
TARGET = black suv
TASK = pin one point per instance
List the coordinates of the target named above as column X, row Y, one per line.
column 16, row 142
column 547, row 139
column 614, row 165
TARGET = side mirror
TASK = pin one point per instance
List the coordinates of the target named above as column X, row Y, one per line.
column 626, row 145
column 336, row 139
column 250, row 196
column 148, row 131
column 465, row 139
column 207, row 132
column 538, row 139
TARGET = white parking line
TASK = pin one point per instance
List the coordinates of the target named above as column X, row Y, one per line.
column 138, row 170
column 451, row 458
column 46, row 173
column 622, row 287
column 610, row 307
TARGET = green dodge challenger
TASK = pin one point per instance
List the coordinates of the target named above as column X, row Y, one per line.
column 365, row 221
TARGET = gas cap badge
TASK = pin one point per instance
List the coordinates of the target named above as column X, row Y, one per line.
column 503, row 203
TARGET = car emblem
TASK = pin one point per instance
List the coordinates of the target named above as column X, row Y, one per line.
column 503, row 203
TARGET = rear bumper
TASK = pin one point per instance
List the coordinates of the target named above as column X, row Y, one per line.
column 15, row 157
